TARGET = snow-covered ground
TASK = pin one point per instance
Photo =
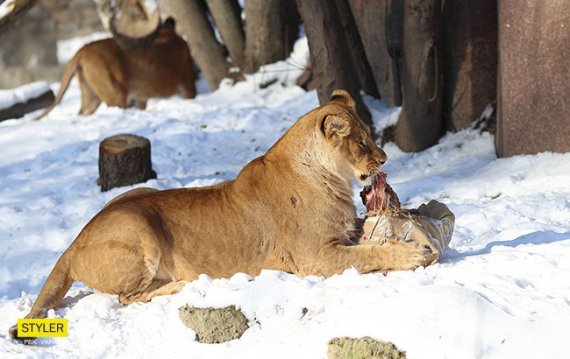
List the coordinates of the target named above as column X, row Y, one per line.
column 501, row 291
column 9, row 98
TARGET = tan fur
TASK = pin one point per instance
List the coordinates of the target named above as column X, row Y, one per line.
column 291, row 210
column 129, row 77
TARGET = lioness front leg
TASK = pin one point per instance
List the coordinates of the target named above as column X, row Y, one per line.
column 370, row 257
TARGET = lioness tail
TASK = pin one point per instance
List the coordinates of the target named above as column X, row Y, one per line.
column 70, row 70
column 52, row 293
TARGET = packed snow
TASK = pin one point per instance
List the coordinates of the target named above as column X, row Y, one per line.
column 9, row 98
column 502, row 289
column 69, row 47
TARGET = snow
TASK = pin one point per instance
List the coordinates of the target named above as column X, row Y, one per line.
column 502, row 289
column 9, row 98
column 67, row 48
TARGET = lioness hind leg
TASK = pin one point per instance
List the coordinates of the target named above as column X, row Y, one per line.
column 187, row 86
column 110, row 86
column 89, row 100
column 156, row 288
column 130, row 263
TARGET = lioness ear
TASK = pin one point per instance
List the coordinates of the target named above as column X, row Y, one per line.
column 335, row 127
column 343, row 97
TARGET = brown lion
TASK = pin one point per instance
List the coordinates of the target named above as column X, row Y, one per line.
column 290, row 210
column 125, row 77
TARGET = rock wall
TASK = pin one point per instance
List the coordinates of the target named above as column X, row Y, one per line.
column 28, row 51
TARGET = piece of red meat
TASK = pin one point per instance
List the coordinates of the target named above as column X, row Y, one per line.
column 379, row 196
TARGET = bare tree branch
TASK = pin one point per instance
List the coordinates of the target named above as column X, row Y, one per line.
column 12, row 10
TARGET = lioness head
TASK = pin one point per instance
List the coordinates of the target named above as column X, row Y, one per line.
column 350, row 137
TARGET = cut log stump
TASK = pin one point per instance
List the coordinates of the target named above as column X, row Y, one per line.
column 124, row 160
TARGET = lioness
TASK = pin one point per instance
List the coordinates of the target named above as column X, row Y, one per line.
column 126, row 77
column 289, row 210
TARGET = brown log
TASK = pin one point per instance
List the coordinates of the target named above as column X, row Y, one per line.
column 420, row 123
column 20, row 8
column 470, row 57
column 124, row 160
column 192, row 22
column 227, row 16
column 534, row 62
column 271, row 28
column 20, row 109
column 330, row 60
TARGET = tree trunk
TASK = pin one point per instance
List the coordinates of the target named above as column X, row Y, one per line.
column 271, row 28
column 380, row 25
column 470, row 57
column 192, row 22
column 330, row 60
column 227, row 15
column 356, row 49
column 307, row 80
column 17, row 9
column 534, row 63
column 124, row 160
column 20, row 109
column 419, row 125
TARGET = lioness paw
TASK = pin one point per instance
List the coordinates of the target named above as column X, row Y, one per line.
column 409, row 255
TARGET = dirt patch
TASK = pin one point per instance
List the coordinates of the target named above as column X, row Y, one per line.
column 214, row 325
column 363, row 348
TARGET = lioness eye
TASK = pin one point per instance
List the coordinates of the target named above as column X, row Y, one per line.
column 361, row 143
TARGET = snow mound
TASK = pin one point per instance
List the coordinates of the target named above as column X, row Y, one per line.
column 9, row 98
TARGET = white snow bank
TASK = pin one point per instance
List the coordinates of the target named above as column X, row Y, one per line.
column 9, row 98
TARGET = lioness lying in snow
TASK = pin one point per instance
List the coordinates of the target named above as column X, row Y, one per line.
column 289, row 210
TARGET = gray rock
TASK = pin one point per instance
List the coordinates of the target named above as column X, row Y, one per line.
column 214, row 325
column 363, row 348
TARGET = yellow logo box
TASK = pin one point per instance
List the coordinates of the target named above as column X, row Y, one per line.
column 42, row 328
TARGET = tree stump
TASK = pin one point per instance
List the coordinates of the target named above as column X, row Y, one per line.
column 124, row 160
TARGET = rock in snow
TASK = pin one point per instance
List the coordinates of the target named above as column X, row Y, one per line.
column 214, row 325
